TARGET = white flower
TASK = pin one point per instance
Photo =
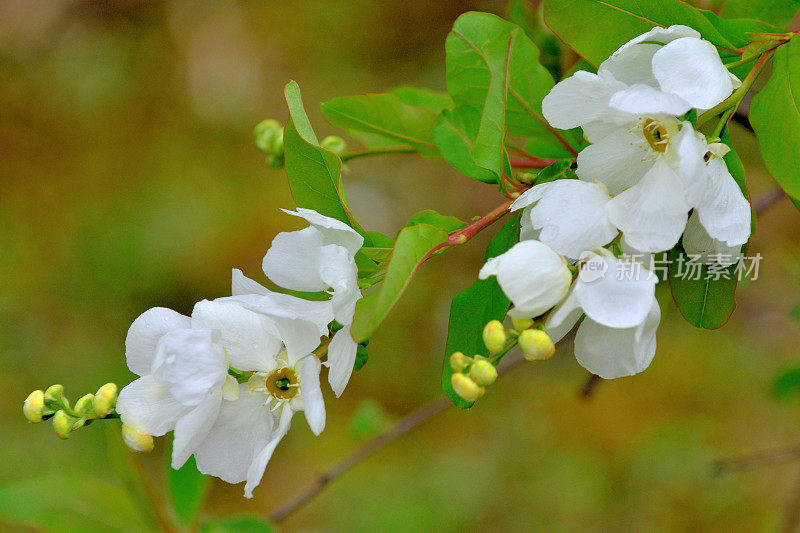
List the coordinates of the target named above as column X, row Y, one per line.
column 282, row 381
column 617, row 337
column 183, row 367
column 568, row 215
column 321, row 258
column 532, row 275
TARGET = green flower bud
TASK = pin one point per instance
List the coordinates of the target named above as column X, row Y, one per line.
column 536, row 345
column 494, row 336
column 269, row 136
column 33, row 408
column 526, row 177
column 466, row 388
column 105, row 400
column 521, row 323
column 135, row 441
column 62, row 424
column 483, row 372
column 84, row 406
column 335, row 144
column 54, row 397
column 459, row 362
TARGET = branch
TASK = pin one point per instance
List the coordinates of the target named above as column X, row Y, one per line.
column 400, row 428
column 791, row 513
column 748, row 462
column 530, row 162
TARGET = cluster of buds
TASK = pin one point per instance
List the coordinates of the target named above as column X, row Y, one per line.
column 52, row 404
column 471, row 375
column 269, row 139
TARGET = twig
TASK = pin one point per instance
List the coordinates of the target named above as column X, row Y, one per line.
column 748, row 462
column 530, row 162
column 771, row 198
column 589, row 385
column 400, row 428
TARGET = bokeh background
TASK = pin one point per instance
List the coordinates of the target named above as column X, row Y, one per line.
column 129, row 179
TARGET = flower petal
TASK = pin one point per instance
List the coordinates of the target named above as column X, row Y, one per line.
column 619, row 160
column 691, row 149
column 241, row 284
column 692, row 69
column 697, row 241
column 615, row 293
column 243, row 334
column 292, row 260
column 662, row 35
column 632, row 65
column 652, row 213
column 612, row 353
column 259, row 464
column 242, row 429
column 532, row 275
column 579, row 99
column 313, row 404
column 333, row 231
column 148, row 407
column 192, row 363
column 563, row 318
column 723, row 210
column 143, row 335
column 341, row 358
column 645, row 100
column 193, row 427
column 571, row 216
column 338, row 270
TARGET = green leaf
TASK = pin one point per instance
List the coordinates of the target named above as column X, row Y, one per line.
column 239, row 524
column 187, row 489
column 455, row 136
column 424, row 98
column 411, row 248
column 70, row 503
column 775, row 116
column 473, row 307
column 705, row 299
column 387, row 116
column 491, row 65
column 429, row 216
column 615, row 22
column 559, row 170
column 778, row 12
column 362, row 356
column 787, row 384
column 314, row 173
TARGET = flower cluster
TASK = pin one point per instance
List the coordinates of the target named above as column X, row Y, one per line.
column 645, row 170
column 228, row 379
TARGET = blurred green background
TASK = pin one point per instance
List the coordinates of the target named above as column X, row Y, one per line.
column 128, row 179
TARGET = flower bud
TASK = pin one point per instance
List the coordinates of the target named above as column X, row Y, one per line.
column 483, row 372
column 105, row 400
column 536, row 345
column 34, row 406
column 335, row 144
column 84, row 406
column 465, row 387
column 135, row 441
column 269, row 136
column 521, row 323
column 494, row 336
column 459, row 362
column 62, row 424
column 54, row 396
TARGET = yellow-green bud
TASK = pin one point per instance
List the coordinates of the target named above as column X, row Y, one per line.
column 526, row 177
column 459, row 362
column 494, row 336
column 269, row 136
column 135, row 441
column 34, row 406
column 62, row 424
column 335, row 144
column 483, row 372
column 521, row 323
column 54, row 395
column 466, row 388
column 536, row 345
column 84, row 406
column 105, row 400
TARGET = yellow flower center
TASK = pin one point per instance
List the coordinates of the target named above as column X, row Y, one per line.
column 656, row 135
column 282, row 383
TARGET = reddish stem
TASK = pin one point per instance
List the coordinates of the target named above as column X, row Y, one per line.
column 533, row 162
column 467, row 232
